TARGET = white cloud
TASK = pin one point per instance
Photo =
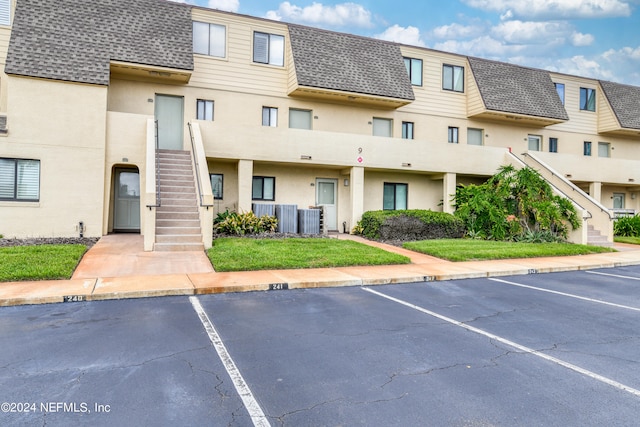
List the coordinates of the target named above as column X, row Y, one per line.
column 457, row 31
column 340, row 15
column 409, row 35
column 554, row 9
column 485, row 47
column 227, row 5
column 519, row 32
column 579, row 39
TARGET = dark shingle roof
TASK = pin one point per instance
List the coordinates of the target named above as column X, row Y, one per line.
column 514, row 89
column 625, row 101
column 74, row 40
column 343, row 62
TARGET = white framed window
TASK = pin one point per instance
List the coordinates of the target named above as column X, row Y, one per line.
column 382, row 127
column 19, row 180
column 217, row 185
column 414, row 68
column 210, row 39
column 535, row 143
column 560, row 90
column 586, row 148
column 395, row 196
column 299, row 119
column 587, row 99
column 475, row 136
column 268, row 49
column 553, row 145
column 453, row 136
column 453, row 78
column 204, row 110
column 263, row 188
column 604, row 149
column 407, row 130
column 269, row 116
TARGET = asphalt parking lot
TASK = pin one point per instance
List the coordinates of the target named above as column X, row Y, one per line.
column 541, row 349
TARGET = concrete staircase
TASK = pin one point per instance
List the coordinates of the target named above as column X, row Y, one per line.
column 177, row 218
column 594, row 237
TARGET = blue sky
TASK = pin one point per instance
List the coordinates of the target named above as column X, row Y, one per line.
column 591, row 38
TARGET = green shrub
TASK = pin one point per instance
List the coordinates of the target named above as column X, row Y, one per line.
column 517, row 205
column 628, row 226
column 233, row 223
column 409, row 225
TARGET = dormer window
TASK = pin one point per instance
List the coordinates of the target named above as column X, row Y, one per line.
column 453, row 78
column 587, row 99
column 209, row 39
column 414, row 68
column 268, row 49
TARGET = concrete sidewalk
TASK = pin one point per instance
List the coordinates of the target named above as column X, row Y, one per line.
column 117, row 267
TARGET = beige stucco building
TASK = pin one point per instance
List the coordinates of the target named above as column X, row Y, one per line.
column 275, row 113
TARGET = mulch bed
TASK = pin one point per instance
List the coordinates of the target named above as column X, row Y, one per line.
column 87, row 241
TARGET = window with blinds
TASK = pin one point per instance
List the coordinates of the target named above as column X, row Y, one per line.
column 268, row 49
column 5, row 12
column 19, row 179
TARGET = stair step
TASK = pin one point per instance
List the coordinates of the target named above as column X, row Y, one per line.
column 174, row 164
column 189, row 195
column 179, row 238
column 164, row 189
column 174, row 222
column 193, row 214
column 176, row 182
column 178, row 247
column 175, row 174
column 175, row 203
column 178, row 230
column 605, row 244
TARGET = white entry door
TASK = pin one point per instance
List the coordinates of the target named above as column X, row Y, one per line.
column 169, row 115
column 326, row 195
column 126, row 214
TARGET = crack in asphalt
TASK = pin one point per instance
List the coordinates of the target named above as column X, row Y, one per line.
column 281, row 419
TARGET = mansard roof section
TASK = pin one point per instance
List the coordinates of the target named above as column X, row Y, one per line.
column 75, row 40
column 625, row 103
column 526, row 93
column 344, row 63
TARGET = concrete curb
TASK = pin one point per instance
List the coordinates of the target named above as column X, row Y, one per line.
column 106, row 288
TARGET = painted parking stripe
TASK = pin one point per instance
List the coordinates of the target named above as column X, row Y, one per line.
column 515, row 345
column 520, row 285
column 613, row 275
column 254, row 409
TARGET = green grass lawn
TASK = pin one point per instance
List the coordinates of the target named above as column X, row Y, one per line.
column 39, row 262
column 472, row 250
column 630, row 240
column 235, row 254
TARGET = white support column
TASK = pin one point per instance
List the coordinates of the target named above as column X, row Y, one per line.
column 356, row 195
column 595, row 191
column 449, row 182
column 245, row 181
